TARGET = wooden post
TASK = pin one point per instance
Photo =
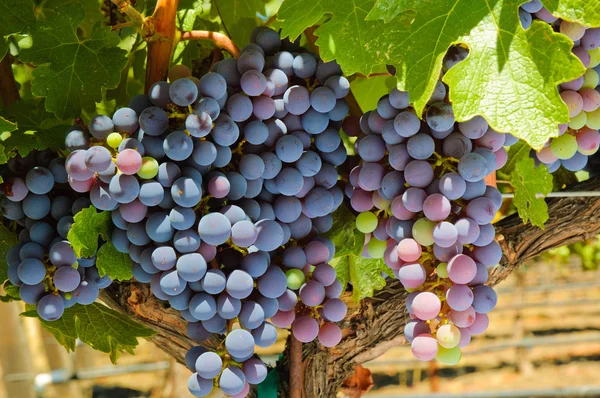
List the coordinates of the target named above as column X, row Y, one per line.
column 59, row 358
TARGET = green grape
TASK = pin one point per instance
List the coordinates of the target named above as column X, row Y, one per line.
column 563, row 147
column 590, row 78
column 114, row 140
column 442, row 270
column 578, row 121
column 149, row 168
column 366, row 222
column 448, row 336
column 295, row 278
column 448, row 356
column 593, row 119
column 376, row 248
column 422, row 231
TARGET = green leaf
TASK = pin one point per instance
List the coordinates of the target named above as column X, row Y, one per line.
column 15, row 17
column 93, row 14
column 368, row 91
column 12, row 293
column 516, row 152
column 363, row 273
column 72, row 72
column 7, row 240
column 6, row 127
column 239, row 17
column 509, row 77
column 113, row 263
column 98, row 326
column 585, row 12
column 343, row 233
column 37, row 129
column 88, row 227
column 513, row 83
column 388, row 10
column 529, row 181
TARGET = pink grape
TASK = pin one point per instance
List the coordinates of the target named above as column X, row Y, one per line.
column 491, row 140
column 445, row 234
column 588, row 141
column 479, row 325
column 573, row 84
column 591, row 39
column 467, row 230
column 590, row 98
column 583, row 55
column 482, row 275
column 129, row 161
column 409, row 300
column 362, row 201
column 83, row 185
column 459, row 297
column 546, row 156
column 390, row 257
column 335, row 310
column 501, row 158
column 482, row 210
column 424, row 347
column 330, row 335
column 305, row 328
column 409, row 250
column 399, row 210
column 412, row 275
column 463, row 319
column 436, row 207
column 426, row 306
column 461, row 269
column 465, row 337
column 413, row 199
column 283, row 319
column 573, row 100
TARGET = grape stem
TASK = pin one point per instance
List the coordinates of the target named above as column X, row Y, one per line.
column 296, row 368
column 271, row 20
column 220, row 40
column 121, row 25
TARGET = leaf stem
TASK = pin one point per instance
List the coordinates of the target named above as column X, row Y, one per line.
column 271, row 20
column 121, row 25
column 220, row 40
column 8, row 86
column 137, row 19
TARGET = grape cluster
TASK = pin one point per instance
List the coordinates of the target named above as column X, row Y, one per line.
column 579, row 138
column 43, row 264
column 219, row 188
column 424, row 208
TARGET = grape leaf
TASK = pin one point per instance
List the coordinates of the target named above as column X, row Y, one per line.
column 7, row 240
column 368, row 91
column 513, row 84
column 88, row 226
column 585, row 12
column 529, row 181
column 516, row 152
column 343, row 233
column 510, row 76
column 37, row 129
column 6, row 127
column 72, row 72
column 96, row 325
column 15, row 17
column 93, row 14
column 363, row 273
column 239, row 17
column 113, row 263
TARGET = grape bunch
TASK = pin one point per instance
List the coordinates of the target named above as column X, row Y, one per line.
column 579, row 138
column 35, row 195
column 424, row 208
column 218, row 189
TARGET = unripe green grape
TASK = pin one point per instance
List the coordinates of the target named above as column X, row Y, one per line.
column 376, row 248
column 593, row 119
column 448, row 356
column 578, row 121
column 422, row 231
column 591, row 78
column 114, row 140
column 442, row 270
column 366, row 222
column 448, row 336
column 564, row 147
column 295, row 278
column 149, row 168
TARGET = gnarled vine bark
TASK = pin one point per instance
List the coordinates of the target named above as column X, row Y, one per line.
column 374, row 325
